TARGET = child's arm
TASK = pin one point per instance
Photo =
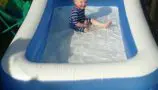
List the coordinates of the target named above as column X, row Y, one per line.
column 74, row 17
column 81, row 25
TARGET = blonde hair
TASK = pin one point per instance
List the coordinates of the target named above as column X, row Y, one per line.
column 78, row 0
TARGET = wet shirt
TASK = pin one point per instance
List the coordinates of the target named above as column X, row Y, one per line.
column 77, row 15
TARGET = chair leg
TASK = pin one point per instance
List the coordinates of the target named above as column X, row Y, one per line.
column 13, row 33
column 4, row 22
column 8, row 29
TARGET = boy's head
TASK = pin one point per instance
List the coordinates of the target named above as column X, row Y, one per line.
column 80, row 3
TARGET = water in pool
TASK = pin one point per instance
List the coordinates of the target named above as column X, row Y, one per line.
column 96, row 46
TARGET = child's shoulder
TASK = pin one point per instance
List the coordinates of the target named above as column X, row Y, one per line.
column 74, row 9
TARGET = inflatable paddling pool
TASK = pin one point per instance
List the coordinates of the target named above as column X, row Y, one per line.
column 39, row 59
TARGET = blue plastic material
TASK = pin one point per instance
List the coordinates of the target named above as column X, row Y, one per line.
column 149, row 82
column 36, row 48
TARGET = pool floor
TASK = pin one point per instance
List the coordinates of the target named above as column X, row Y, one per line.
column 99, row 45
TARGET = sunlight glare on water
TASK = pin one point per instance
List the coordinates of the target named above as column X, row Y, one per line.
column 99, row 45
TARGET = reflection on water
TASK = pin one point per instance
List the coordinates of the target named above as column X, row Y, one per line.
column 99, row 45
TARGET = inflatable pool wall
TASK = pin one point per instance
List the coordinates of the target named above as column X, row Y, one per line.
column 36, row 47
column 20, row 69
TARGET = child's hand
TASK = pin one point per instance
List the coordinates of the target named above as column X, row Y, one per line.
column 86, row 23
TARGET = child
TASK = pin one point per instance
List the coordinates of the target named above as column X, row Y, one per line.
column 79, row 21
